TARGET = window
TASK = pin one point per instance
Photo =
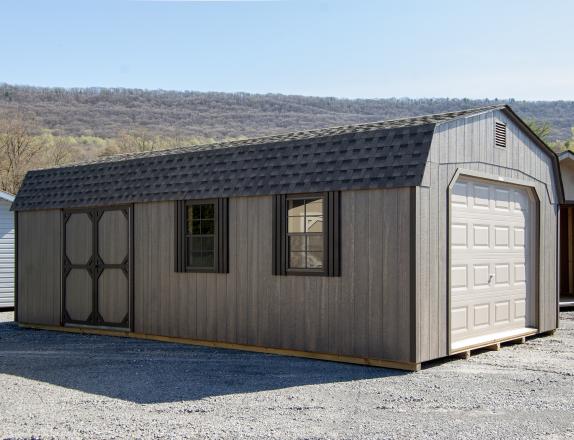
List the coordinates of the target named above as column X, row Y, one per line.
column 306, row 234
column 500, row 134
column 201, row 236
column 305, row 241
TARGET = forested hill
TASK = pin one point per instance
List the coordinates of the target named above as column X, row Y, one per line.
column 104, row 113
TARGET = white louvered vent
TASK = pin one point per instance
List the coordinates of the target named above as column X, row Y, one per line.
column 500, row 134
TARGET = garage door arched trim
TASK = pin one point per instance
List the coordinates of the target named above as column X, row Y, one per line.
column 533, row 251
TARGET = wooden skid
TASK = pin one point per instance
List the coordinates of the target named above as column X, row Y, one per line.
column 493, row 347
column 521, row 340
column 407, row 366
column 465, row 353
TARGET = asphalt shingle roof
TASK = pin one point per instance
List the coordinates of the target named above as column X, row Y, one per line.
column 385, row 154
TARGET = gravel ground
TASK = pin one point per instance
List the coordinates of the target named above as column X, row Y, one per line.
column 57, row 385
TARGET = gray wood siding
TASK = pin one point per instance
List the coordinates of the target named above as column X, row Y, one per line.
column 39, row 267
column 469, row 144
column 365, row 312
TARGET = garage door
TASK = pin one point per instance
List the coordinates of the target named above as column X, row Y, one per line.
column 491, row 247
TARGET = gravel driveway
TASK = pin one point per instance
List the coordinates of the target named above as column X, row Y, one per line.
column 57, row 385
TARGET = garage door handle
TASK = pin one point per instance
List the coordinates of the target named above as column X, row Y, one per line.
column 490, row 278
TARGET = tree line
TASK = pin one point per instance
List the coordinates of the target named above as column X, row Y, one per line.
column 25, row 146
column 105, row 112
column 46, row 127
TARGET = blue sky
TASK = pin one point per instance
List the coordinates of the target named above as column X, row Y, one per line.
column 368, row 49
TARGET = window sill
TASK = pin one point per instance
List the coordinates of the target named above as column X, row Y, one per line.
column 199, row 270
column 308, row 272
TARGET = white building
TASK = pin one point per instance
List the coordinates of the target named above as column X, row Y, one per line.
column 6, row 251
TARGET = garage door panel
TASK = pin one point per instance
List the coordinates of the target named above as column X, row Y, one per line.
column 521, row 202
column 481, row 315
column 502, row 200
column 519, row 237
column 459, row 238
column 459, row 196
column 502, row 312
column 481, row 276
column 490, row 249
column 519, row 309
column 519, row 273
column 481, row 236
column 481, row 197
column 502, row 275
column 459, row 277
column 501, row 237
column 459, row 321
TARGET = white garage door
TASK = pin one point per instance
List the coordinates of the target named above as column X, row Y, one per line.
column 491, row 292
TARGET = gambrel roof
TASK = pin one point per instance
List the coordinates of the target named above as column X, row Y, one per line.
column 386, row 154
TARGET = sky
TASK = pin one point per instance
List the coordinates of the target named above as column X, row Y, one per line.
column 353, row 49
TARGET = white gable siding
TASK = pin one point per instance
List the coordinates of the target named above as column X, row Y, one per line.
column 6, row 255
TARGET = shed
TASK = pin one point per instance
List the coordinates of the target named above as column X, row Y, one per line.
column 389, row 243
column 6, row 251
column 567, row 230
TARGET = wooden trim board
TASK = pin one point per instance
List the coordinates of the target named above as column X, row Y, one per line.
column 407, row 366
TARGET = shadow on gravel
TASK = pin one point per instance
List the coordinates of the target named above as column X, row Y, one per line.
column 155, row 372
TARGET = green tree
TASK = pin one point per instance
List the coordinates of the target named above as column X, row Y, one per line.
column 19, row 151
column 569, row 144
column 542, row 129
column 56, row 150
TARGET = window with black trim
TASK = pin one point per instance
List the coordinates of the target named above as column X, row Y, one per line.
column 201, row 236
column 306, row 234
column 305, row 239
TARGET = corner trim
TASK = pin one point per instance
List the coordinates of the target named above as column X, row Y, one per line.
column 413, row 275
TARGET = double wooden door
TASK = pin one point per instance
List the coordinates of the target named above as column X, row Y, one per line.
column 97, row 267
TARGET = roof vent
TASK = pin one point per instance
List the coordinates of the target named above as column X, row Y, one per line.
column 500, row 134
